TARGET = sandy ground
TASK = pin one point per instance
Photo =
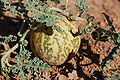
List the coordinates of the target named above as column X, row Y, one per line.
column 85, row 65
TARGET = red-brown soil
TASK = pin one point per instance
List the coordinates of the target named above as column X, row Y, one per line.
column 85, row 65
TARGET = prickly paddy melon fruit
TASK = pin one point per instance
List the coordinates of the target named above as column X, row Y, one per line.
column 52, row 46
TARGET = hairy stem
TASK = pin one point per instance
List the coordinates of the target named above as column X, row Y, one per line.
column 68, row 14
column 22, row 26
column 60, row 10
column 66, row 4
column 3, row 59
column 5, row 46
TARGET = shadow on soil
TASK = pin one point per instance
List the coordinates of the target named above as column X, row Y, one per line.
column 78, row 58
column 8, row 25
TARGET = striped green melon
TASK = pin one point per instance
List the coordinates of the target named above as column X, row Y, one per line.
column 52, row 46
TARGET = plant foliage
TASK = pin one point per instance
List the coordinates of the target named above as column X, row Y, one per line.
column 38, row 11
column 6, row 39
column 25, row 65
column 30, row 10
column 81, row 5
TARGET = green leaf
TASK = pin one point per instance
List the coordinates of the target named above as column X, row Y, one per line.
column 15, row 69
column 82, row 6
column 115, row 77
column 21, row 74
column 46, row 66
column 89, row 30
column 84, row 32
column 24, row 42
column 25, row 65
column 118, row 40
column 6, row 39
column 94, row 26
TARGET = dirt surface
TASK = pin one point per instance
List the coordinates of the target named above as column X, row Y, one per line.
column 85, row 65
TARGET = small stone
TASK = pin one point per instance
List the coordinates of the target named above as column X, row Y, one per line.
column 73, row 75
column 62, row 77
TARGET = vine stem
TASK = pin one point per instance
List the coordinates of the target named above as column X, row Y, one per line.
column 5, row 46
column 22, row 26
column 64, row 12
column 66, row 4
column 13, row 48
column 3, row 60
column 60, row 10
